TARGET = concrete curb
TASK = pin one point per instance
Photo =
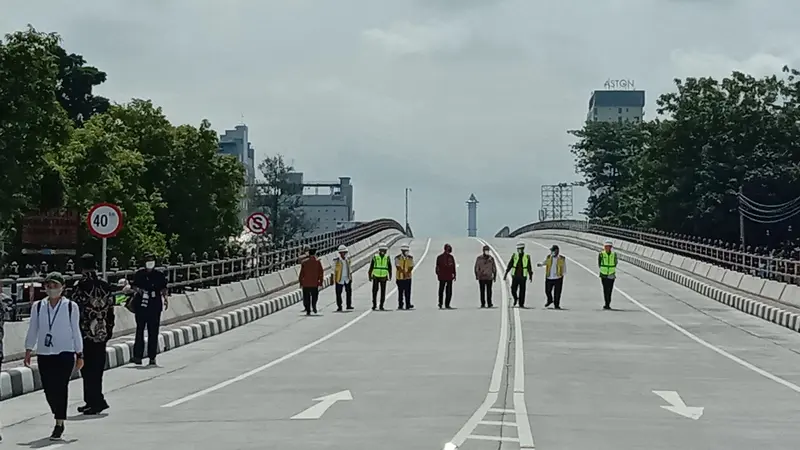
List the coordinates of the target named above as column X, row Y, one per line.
column 24, row 380
column 755, row 308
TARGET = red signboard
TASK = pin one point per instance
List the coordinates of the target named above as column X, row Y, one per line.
column 54, row 229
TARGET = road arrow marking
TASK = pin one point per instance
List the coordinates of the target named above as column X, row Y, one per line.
column 678, row 406
column 325, row 402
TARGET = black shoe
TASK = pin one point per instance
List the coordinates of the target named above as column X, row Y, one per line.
column 556, row 307
column 490, row 305
column 440, row 306
column 338, row 309
column 410, row 307
column 83, row 408
column 483, row 305
column 606, row 307
column 315, row 310
column 382, row 308
column 374, row 307
column 91, row 411
column 548, row 303
column 349, row 306
column 448, row 307
column 308, row 312
column 400, row 307
column 137, row 361
column 152, row 362
column 58, row 431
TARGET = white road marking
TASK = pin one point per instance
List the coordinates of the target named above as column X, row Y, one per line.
column 325, row 402
column 520, row 411
column 678, row 406
column 287, row 356
column 693, row 337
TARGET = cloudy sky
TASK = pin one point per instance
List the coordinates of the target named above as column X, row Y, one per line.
column 448, row 97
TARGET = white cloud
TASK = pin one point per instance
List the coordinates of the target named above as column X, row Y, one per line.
column 408, row 38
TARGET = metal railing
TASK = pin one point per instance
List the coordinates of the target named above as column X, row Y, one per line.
column 779, row 266
column 199, row 272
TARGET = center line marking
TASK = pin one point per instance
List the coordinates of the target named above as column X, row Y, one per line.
column 283, row 358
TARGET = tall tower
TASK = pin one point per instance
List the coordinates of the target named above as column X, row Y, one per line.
column 472, row 216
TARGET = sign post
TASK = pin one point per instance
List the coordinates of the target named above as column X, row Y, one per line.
column 257, row 223
column 104, row 221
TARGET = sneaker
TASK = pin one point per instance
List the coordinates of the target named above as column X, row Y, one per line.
column 58, row 431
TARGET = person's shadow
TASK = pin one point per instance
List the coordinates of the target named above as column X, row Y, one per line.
column 82, row 417
column 45, row 442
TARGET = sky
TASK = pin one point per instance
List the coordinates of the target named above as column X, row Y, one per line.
column 447, row 97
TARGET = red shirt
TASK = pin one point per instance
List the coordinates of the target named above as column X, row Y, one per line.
column 445, row 267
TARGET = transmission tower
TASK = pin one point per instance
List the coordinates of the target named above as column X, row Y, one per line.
column 557, row 201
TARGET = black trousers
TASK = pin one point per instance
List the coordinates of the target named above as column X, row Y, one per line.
column 55, row 372
column 348, row 290
column 518, row 288
column 94, row 365
column 150, row 319
column 485, row 287
column 552, row 289
column 404, row 292
column 310, row 297
column 378, row 284
column 445, row 292
column 608, row 288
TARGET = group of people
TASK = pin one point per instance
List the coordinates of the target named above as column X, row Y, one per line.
column 72, row 333
column 382, row 268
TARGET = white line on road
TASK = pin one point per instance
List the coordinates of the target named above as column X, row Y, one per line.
column 287, row 356
column 693, row 337
column 520, row 411
column 325, row 402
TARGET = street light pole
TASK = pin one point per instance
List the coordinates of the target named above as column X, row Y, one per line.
column 407, row 191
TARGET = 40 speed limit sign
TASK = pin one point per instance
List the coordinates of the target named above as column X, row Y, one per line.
column 104, row 220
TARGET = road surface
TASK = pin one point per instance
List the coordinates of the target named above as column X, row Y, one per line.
column 481, row 379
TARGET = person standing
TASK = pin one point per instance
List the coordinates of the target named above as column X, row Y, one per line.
column 380, row 271
column 486, row 274
column 404, row 264
column 54, row 332
column 149, row 301
column 94, row 298
column 520, row 263
column 446, row 274
column 311, row 277
column 342, row 278
column 607, row 262
column 555, row 267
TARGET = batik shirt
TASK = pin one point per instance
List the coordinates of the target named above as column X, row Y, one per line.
column 97, row 307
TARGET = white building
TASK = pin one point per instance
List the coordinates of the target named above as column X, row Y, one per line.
column 328, row 206
column 616, row 106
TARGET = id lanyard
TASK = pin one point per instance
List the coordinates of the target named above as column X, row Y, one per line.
column 48, row 338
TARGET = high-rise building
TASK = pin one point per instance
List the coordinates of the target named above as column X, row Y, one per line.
column 328, row 206
column 616, row 106
column 235, row 143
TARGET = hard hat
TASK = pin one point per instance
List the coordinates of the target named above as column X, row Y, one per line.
column 520, row 244
column 342, row 248
column 383, row 246
column 122, row 282
column 608, row 242
column 404, row 247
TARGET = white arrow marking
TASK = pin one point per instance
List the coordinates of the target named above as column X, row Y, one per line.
column 450, row 446
column 678, row 406
column 325, row 402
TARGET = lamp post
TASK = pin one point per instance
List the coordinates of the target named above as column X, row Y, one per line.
column 407, row 191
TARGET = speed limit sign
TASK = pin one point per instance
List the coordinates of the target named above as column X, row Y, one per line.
column 104, row 220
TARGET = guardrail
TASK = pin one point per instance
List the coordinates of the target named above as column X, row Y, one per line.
column 730, row 256
column 200, row 272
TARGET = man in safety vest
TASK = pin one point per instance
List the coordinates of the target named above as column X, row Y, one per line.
column 343, row 278
column 520, row 263
column 555, row 266
column 607, row 261
column 404, row 264
column 380, row 271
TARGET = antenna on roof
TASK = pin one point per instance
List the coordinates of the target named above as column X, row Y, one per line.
column 242, row 121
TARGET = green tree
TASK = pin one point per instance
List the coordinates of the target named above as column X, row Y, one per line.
column 280, row 199
column 33, row 125
column 76, row 82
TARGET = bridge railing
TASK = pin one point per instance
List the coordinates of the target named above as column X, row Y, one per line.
column 199, row 272
column 779, row 268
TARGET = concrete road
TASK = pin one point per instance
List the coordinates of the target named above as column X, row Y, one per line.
column 482, row 379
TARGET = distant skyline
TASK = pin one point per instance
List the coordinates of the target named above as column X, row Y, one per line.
column 449, row 97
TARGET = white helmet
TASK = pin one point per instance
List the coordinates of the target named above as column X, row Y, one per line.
column 383, row 246
column 404, row 247
column 520, row 244
column 342, row 248
column 608, row 242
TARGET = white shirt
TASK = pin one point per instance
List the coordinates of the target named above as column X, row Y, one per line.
column 553, row 275
column 65, row 331
column 345, row 271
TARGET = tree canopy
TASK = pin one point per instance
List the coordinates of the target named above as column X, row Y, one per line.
column 63, row 147
column 682, row 171
column 280, row 199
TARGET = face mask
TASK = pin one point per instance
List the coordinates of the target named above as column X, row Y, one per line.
column 404, row 252
column 522, row 250
column 53, row 293
column 150, row 264
column 486, row 253
column 343, row 255
column 382, row 252
column 554, row 253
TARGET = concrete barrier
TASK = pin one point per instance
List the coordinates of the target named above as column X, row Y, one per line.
column 659, row 263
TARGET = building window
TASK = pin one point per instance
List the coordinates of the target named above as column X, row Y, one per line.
column 620, row 110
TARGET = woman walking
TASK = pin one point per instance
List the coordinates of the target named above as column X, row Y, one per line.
column 54, row 332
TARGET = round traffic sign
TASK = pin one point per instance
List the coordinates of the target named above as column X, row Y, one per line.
column 104, row 220
column 258, row 223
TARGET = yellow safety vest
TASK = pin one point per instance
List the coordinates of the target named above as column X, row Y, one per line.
column 608, row 263
column 548, row 263
column 337, row 270
column 404, row 265
column 380, row 267
column 526, row 260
